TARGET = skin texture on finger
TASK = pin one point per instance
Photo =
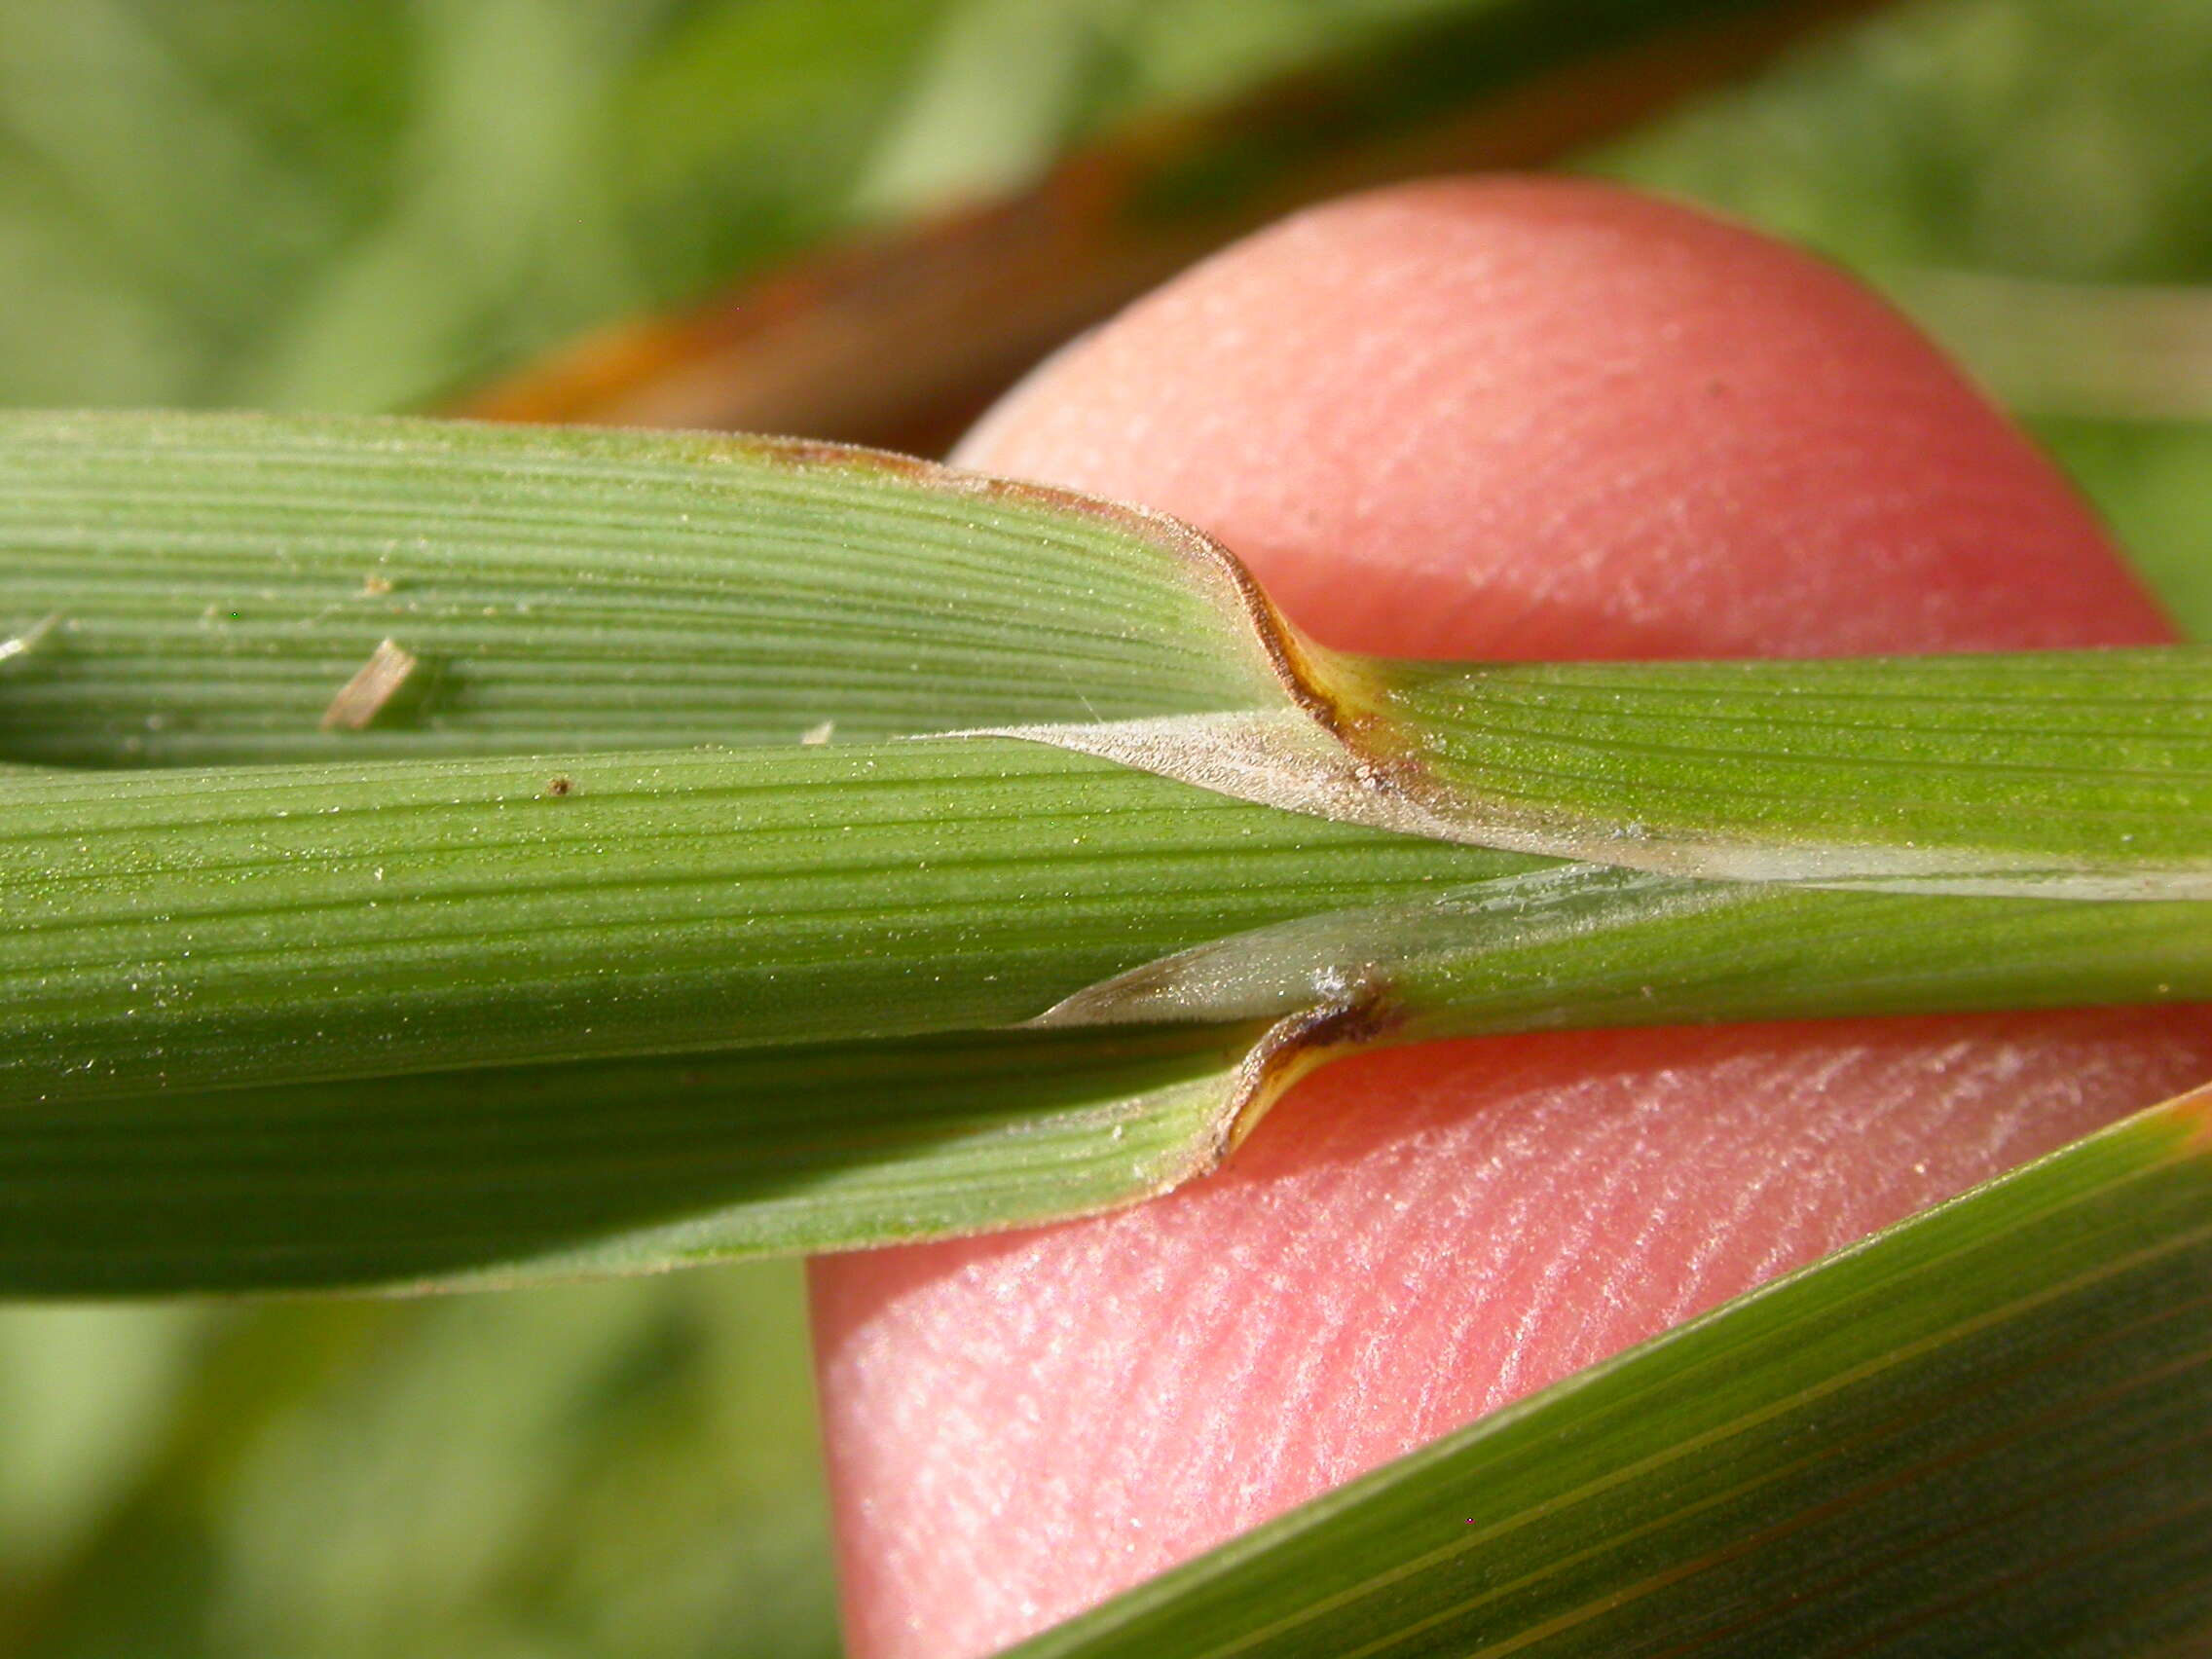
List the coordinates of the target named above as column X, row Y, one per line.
column 1547, row 419
column 1504, row 419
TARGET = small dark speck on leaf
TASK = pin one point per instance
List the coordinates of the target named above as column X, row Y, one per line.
column 560, row 785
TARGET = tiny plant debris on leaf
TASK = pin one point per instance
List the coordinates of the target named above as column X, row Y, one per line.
column 363, row 697
column 22, row 645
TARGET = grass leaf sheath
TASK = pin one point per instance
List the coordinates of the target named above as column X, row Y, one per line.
column 435, row 851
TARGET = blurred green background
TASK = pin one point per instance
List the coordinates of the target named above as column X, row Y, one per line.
column 380, row 203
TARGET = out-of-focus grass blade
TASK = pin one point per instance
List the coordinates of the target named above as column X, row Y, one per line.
column 197, row 589
column 635, row 1456
column 1980, row 1432
column 901, row 338
column 2138, row 352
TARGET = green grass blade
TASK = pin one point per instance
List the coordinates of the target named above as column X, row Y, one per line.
column 191, row 930
column 180, row 929
column 242, row 589
column 433, row 1021
column 2072, row 775
column 197, row 589
column 1980, row 1432
column 2083, row 773
column 504, row 1175
column 442, row 941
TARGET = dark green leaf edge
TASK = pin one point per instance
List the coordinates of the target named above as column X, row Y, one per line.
column 1980, row 1431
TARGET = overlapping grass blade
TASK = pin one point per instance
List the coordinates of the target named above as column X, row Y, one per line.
column 264, row 975
column 503, row 1176
column 202, row 586
column 2083, row 772
column 191, row 930
column 180, row 929
column 1980, row 1432
column 223, row 589
column 1560, row 945
column 435, row 1021
column 2082, row 775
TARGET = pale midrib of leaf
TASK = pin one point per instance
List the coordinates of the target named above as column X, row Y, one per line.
column 1949, row 1437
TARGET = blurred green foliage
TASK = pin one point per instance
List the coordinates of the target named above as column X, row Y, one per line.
column 289, row 203
column 618, row 1468
column 305, row 205
column 2041, row 138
